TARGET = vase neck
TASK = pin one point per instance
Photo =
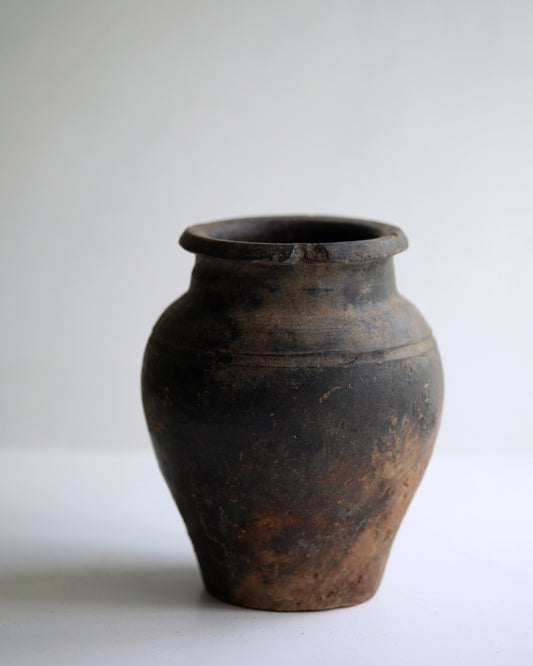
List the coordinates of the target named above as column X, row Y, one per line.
column 233, row 281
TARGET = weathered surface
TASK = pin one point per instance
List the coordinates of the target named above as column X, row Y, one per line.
column 293, row 399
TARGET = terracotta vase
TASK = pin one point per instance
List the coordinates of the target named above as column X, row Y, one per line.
column 293, row 398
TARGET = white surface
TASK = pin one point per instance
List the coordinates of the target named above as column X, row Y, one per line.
column 122, row 121
column 96, row 568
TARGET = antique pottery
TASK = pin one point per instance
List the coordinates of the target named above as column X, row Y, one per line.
column 293, row 398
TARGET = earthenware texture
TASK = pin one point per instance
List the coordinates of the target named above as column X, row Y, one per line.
column 293, row 398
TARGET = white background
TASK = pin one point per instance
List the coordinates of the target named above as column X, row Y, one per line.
column 122, row 122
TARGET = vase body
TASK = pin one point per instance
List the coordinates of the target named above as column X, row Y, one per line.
column 293, row 399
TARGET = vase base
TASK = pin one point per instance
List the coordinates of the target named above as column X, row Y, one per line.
column 310, row 602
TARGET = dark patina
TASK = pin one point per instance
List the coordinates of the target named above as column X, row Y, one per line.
column 293, row 398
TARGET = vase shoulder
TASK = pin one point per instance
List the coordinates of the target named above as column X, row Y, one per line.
column 391, row 327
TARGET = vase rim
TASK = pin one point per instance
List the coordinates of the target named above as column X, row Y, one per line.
column 295, row 238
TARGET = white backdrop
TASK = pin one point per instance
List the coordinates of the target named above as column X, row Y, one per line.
column 122, row 122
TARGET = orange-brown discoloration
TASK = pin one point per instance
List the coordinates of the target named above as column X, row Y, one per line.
column 328, row 393
column 335, row 564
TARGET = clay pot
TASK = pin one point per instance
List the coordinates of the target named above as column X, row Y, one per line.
column 293, row 398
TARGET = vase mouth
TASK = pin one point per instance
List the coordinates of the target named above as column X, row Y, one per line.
column 295, row 238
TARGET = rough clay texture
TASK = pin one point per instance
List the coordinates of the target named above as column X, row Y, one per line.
column 293, row 410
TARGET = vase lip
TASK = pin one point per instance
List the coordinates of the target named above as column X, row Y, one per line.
column 292, row 239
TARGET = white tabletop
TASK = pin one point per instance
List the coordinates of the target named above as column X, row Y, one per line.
column 96, row 568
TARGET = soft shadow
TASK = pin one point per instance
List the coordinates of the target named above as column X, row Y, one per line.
column 179, row 586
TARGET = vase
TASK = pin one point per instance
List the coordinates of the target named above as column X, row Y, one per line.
column 293, row 397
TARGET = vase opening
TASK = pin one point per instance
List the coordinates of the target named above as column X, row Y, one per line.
column 289, row 230
column 295, row 238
